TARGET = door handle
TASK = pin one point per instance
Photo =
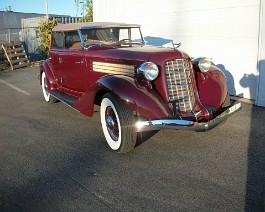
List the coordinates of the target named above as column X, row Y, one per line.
column 79, row 62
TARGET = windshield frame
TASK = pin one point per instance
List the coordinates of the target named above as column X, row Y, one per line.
column 110, row 43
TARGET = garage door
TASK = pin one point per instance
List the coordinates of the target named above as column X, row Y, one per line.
column 226, row 31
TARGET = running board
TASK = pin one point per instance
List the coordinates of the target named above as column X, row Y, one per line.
column 63, row 97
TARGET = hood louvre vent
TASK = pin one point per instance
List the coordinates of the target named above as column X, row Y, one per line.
column 113, row 68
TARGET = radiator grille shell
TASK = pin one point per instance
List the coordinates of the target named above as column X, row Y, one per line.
column 180, row 85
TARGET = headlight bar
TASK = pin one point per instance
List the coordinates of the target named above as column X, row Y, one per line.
column 204, row 63
column 149, row 70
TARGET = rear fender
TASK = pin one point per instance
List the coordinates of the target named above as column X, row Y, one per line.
column 143, row 100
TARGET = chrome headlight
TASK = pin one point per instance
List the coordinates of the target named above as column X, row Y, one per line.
column 149, row 70
column 204, row 64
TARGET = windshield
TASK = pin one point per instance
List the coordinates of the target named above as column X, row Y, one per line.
column 112, row 36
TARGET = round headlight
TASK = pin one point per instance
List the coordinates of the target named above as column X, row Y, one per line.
column 204, row 64
column 149, row 70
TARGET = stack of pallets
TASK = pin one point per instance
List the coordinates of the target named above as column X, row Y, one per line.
column 15, row 54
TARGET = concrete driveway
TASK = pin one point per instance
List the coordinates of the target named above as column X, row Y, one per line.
column 54, row 159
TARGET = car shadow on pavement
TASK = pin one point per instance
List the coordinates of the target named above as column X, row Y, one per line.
column 144, row 136
column 255, row 179
column 255, row 182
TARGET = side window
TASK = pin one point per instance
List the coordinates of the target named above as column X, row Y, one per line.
column 97, row 36
column 72, row 40
column 124, row 34
column 106, row 34
column 58, row 40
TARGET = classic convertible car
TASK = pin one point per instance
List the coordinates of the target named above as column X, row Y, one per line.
column 139, row 88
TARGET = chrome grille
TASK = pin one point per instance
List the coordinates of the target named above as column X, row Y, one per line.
column 179, row 84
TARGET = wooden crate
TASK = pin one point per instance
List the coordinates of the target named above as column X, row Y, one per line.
column 15, row 54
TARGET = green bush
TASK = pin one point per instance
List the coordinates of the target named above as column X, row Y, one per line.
column 45, row 29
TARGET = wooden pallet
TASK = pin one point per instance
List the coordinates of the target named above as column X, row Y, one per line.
column 15, row 54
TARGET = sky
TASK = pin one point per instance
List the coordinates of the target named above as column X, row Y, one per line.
column 57, row 7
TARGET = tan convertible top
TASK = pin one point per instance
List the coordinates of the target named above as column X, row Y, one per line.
column 76, row 26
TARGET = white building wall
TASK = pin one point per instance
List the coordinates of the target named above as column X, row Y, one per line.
column 226, row 31
column 260, row 101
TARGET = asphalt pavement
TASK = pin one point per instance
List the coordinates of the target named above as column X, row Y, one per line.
column 53, row 158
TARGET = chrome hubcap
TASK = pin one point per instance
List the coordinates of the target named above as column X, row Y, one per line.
column 45, row 86
column 112, row 124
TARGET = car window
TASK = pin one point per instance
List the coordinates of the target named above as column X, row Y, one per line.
column 58, row 40
column 113, row 35
column 72, row 40
column 97, row 36
column 66, row 40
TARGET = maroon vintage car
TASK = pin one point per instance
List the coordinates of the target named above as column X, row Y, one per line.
column 139, row 88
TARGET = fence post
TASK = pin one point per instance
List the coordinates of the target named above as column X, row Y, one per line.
column 9, row 35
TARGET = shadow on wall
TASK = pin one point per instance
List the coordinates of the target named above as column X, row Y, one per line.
column 157, row 41
column 229, row 78
column 246, row 83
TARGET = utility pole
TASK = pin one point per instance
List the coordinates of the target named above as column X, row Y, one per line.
column 83, row 8
column 46, row 5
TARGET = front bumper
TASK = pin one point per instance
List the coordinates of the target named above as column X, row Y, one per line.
column 179, row 124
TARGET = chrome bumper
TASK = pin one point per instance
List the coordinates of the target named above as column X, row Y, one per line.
column 179, row 124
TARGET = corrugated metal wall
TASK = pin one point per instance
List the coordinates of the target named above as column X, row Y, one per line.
column 30, row 38
column 227, row 31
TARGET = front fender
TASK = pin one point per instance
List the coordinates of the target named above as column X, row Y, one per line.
column 212, row 87
column 141, row 99
column 44, row 67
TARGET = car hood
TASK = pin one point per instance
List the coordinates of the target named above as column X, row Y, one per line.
column 130, row 54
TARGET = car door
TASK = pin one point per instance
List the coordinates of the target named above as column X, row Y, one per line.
column 73, row 70
column 55, row 52
column 70, row 64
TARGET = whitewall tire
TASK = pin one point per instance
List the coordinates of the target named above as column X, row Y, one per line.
column 46, row 94
column 118, row 124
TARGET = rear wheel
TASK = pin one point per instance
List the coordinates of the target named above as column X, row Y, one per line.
column 46, row 94
column 118, row 124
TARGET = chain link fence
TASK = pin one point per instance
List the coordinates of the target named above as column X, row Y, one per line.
column 10, row 34
column 28, row 34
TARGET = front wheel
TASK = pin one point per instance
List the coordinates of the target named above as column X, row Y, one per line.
column 118, row 124
column 46, row 94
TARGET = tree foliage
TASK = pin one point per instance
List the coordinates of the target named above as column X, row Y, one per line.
column 45, row 29
column 7, row 9
column 86, row 10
